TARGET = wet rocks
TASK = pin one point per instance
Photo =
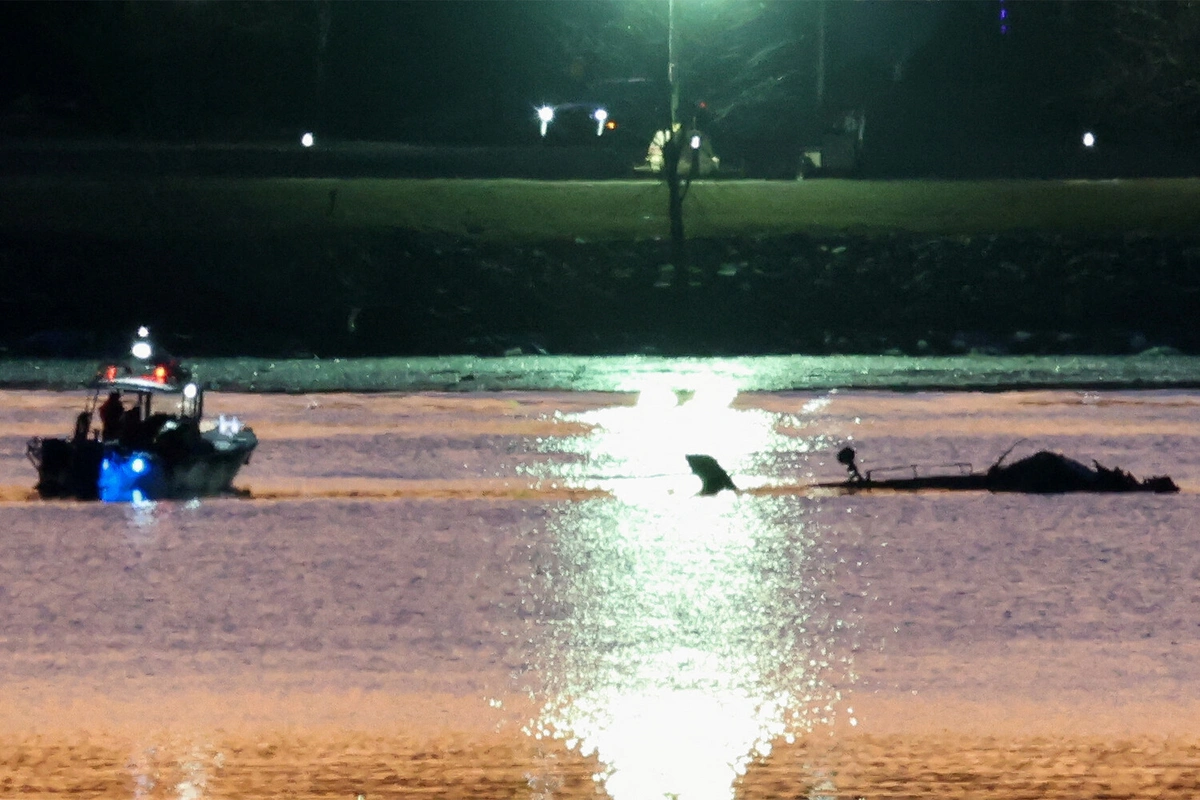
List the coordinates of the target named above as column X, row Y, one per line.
column 433, row 294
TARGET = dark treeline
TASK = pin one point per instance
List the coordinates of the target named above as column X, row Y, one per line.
column 410, row 294
column 928, row 75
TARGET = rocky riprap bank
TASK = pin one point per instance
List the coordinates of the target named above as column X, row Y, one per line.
column 416, row 294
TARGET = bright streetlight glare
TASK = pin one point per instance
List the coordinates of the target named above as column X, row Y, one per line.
column 546, row 115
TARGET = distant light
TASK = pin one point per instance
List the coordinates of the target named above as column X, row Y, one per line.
column 610, row 125
column 546, row 116
column 1089, row 139
column 307, row 139
column 696, row 141
column 141, row 349
column 143, row 332
column 138, row 465
column 600, row 115
column 1003, row 29
column 190, row 391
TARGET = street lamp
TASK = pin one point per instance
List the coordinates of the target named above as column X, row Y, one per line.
column 672, row 64
column 672, row 149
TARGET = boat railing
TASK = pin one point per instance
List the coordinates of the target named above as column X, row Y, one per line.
column 921, row 470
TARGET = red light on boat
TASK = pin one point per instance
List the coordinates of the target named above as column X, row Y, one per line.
column 110, row 373
column 160, row 374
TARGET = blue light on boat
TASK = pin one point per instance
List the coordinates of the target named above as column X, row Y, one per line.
column 129, row 477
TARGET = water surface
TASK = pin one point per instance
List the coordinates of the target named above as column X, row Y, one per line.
column 517, row 593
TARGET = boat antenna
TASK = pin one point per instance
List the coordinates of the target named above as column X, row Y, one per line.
column 1004, row 455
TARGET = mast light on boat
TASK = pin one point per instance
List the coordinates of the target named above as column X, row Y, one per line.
column 138, row 465
column 190, row 391
column 141, row 348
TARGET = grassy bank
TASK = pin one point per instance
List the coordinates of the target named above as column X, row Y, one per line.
column 518, row 210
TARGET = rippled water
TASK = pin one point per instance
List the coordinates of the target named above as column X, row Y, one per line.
column 631, row 373
column 518, row 594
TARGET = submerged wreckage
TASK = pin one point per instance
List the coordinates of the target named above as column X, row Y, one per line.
column 1044, row 472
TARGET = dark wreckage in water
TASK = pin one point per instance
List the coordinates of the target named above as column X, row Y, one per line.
column 1044, row 472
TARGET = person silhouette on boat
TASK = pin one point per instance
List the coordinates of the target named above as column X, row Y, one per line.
column 83, row 424
column 111, row 413
column 132, row 431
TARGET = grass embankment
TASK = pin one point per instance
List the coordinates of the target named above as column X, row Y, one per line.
column 519, row 210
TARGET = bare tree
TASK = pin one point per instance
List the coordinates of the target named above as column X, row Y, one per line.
column 1150, row 61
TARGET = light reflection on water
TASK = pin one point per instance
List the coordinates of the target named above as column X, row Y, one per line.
column 692, row 631
column 173, row 769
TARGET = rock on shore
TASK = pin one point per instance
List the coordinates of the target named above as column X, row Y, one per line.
column 421, row 294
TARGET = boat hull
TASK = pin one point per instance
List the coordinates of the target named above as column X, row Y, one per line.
column 93, row 470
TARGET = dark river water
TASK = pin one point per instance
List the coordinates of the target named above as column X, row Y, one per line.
column 516, row 592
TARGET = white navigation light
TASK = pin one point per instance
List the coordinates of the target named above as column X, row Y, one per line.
column 307, row 139
column 1089, row 139
column 143, row 332
column 695, row 141
column 138, row 465
column 190, row 390
column 141, row 349
column 600, row 115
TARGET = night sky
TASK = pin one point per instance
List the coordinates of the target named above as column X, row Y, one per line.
column 1001, row 73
